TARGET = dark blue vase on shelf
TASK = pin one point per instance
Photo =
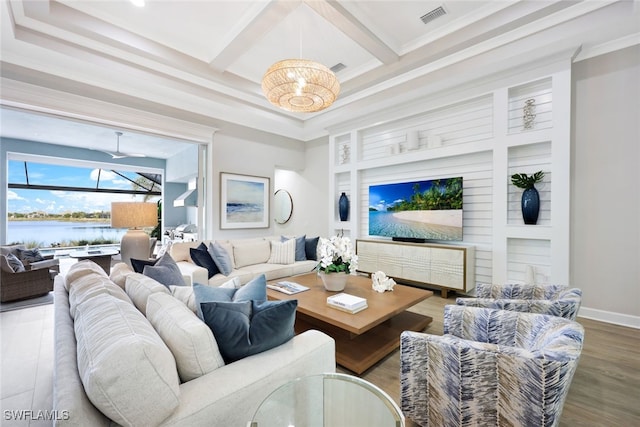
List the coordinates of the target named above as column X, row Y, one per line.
column 343, row 207
column 530, row 204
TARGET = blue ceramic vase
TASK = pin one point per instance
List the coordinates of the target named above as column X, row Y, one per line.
column 343, row 207
column 530, row 204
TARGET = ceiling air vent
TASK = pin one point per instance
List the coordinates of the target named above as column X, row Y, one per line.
column 435, row 13
column 338, row 67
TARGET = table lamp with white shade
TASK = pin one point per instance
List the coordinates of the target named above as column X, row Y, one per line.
column 134, row 215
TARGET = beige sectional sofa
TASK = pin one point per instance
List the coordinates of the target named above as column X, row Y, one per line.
column 250, row 257
column 130, row 351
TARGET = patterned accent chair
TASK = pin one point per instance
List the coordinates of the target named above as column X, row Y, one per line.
column 553, row 300
column 492, row 367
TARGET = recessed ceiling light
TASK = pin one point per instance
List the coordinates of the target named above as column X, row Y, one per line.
column 139, row 3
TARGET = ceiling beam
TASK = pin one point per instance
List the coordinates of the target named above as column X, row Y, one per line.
column 245, row 36
column 342, row 19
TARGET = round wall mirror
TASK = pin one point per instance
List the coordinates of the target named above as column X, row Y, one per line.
column 283, row 206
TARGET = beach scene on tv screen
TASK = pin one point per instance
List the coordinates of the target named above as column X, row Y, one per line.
column 429, row 209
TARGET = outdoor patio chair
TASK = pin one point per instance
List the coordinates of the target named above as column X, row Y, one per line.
column 36, row 279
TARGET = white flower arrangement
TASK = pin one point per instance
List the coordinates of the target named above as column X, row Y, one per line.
column 337, row 255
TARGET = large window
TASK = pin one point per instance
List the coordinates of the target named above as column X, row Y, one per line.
column 55, row 204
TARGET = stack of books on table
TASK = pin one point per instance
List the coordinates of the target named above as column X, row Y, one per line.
column 347, row 302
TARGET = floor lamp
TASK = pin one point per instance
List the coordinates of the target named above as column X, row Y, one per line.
column 134, row 215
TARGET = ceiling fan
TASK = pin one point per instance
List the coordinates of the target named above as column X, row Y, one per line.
column 119, row 154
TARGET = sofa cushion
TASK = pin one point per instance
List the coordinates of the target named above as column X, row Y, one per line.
column 222, row 257
column 179, row 251
column 311, row 248
column 301, row 254
column 91, row 285
column 189, row 339
column 250, row 327
column 254, row 290
column 127, row 372
column 139, row 287
column 138, row 265
column 82, row 268
column 165, row 271
column 14, row 262
column 202, row 258
column 283, row 252
column 251, row 252
column 119, row 273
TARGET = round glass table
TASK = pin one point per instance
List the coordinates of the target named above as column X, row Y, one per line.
column 328, row 400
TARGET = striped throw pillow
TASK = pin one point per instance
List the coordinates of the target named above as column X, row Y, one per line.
column 283, row 252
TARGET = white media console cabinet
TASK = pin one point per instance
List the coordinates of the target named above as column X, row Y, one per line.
column 448, row 267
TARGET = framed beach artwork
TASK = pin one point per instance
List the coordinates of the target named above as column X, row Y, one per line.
column 244, row 201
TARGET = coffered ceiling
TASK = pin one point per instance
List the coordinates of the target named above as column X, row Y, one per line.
column 186, row 68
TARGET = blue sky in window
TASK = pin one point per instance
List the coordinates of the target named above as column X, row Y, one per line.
column 55, row 201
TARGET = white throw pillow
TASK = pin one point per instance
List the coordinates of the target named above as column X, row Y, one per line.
column 189, row 338
column 139, row 287
column 184, row 294
column 283, row 252
column 127, row 371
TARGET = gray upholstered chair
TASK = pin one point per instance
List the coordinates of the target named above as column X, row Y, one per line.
column 35, row 280
column 492, row 367
column 554, row 300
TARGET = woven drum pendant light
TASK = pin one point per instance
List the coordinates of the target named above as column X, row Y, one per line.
column 300, row 85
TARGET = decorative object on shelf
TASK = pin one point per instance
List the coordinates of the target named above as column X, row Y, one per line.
column 244, row 201
column 381, row 282
column 134, row 215
column 337, row 260
column 413, row 140
column 343, row 207
column 434, row 141
column 528, row 113
column 530, row 202
column 345, row 154
column 300, row 85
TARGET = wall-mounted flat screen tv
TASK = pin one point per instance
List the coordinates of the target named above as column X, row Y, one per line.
column 417, row 210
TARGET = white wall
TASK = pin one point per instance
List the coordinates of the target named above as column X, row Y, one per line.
column 605, row 200
column 302, row 172
column 309, row 191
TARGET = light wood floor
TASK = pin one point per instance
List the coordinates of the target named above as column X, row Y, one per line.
column 605, row 389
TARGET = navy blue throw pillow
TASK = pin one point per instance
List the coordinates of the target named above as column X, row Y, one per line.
column 201, row 257
column 138, row 265
column 311, row 248
column 245, row 328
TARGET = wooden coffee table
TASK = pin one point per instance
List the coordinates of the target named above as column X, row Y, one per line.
column 364, row 338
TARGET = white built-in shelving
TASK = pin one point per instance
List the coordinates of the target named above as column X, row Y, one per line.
column 485, row 138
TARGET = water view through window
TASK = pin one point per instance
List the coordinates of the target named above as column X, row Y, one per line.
column 48, row 207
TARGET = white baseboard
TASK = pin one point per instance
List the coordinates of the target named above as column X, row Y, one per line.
column 610, row 317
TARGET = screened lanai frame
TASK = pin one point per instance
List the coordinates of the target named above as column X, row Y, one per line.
column 126, row 172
